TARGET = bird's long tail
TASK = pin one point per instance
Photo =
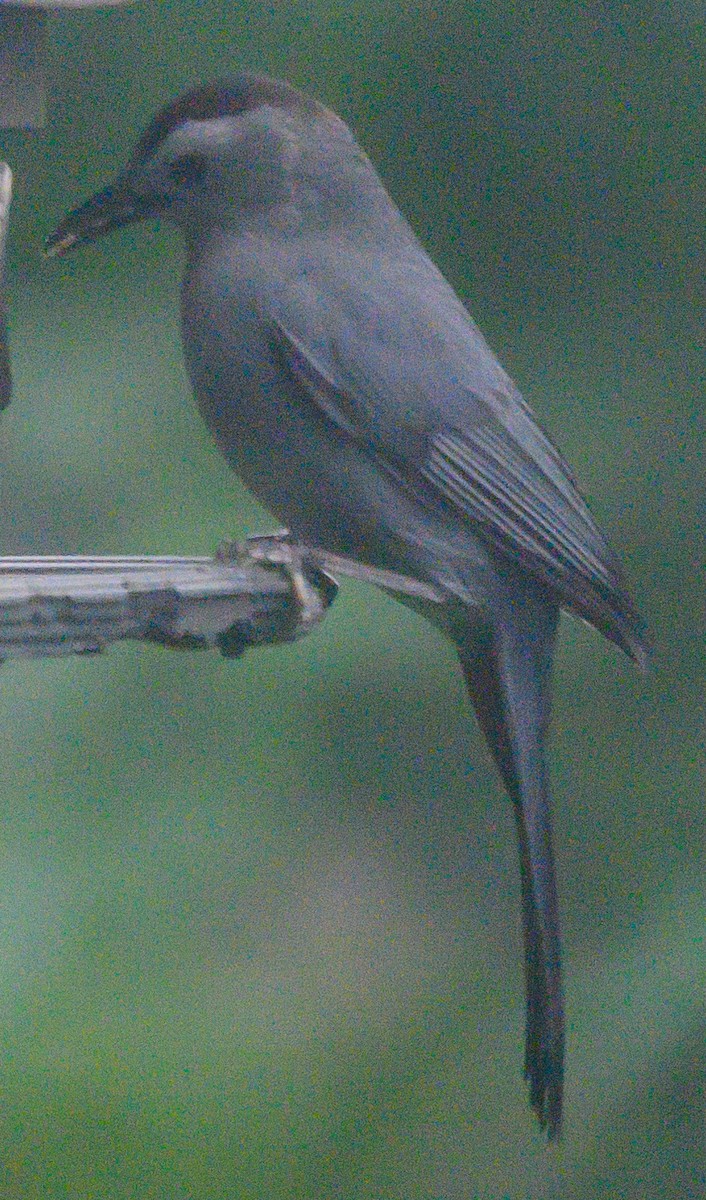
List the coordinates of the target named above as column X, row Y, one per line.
column 508, row 669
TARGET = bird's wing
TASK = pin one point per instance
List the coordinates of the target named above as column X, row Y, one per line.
column 459, row 433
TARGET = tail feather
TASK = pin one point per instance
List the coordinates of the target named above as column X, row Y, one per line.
column 507, row 669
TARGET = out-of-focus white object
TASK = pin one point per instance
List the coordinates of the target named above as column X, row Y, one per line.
column 22, row 42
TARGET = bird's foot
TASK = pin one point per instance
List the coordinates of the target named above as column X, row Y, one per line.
column 313, row 589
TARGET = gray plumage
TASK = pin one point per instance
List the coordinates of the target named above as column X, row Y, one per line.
column 347, row 385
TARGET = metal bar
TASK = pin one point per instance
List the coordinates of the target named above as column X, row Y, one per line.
column 5, row 373
column 22, row 50
column 21, row 67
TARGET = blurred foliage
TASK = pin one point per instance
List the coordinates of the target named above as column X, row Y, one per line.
column 259, row 933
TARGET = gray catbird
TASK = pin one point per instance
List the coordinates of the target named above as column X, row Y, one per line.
column 349, row 388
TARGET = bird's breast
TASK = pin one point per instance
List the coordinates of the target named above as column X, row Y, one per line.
column 295, row 462
column 330, row 490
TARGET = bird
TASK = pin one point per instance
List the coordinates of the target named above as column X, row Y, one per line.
column 348, row 386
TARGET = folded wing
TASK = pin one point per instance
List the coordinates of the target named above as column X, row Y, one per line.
column 472, row 444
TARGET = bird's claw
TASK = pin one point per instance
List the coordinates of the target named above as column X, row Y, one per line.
column 313, row 589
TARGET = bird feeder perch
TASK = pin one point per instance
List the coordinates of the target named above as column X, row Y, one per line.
column 265, row 591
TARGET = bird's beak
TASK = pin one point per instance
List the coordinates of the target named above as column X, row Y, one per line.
column 110, row 209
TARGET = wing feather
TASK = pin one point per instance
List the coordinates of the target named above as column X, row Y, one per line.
column 495, row 468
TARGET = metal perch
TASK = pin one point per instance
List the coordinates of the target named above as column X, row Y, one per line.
column 264, row 591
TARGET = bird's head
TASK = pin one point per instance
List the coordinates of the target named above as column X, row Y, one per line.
column 220, row 155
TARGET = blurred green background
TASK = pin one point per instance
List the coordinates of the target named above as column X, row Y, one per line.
column 259, row 922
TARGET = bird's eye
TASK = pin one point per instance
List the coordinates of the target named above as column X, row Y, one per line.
column 188, row 169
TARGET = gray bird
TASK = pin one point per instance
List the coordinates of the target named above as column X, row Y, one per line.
column 349, row 388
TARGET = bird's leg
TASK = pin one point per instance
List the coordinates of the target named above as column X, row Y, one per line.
column 312, row 589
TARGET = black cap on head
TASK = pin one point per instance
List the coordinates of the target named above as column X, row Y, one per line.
column 226, row 97
column 118, row 205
